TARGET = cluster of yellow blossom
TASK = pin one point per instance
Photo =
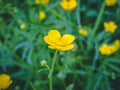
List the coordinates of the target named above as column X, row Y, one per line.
column 5, row 81
column 22, row 26
column 106, row 49
column 83, row 32
column 68, row 4
column 41, row 15
column 55, row 41
column 110, row 2
column 42, row 1
column 110, row 26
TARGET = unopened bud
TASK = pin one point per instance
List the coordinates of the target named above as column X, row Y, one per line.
column 43, row 63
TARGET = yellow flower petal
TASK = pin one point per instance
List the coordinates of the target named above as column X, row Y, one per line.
column 54, row 36
column 68, row 47
column 68, row 4
column 51, row 47
column 48, row 41
column 110, row 2
column 41, row 15
column 5, row 81
column 66, row 39
column 110, row 26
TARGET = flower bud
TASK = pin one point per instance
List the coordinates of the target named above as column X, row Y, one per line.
column 43, row 63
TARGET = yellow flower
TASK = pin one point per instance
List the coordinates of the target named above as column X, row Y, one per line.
column 42, row 15
column 5, row 81
column 117, row 44
column 42, row 1
column 102, row 49
column 109, row 49
column 110, row 26
column 112, row 49
column 55, row 41
column 83, row 32
column 68, row 4
column 22, row 26
column 110, row 2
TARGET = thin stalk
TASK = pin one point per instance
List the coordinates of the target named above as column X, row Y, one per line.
column 78, row 16
column 52, row 70
column 33, row 87
column 98, row 18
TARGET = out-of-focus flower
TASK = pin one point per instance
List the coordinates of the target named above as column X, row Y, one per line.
column 106, row 49
column 117, row 44
column 5, row 81
column 41, row 15
column 42, row 1
column 109, row 49
column 55, row 41
column 68, row 4
column 110, row 2
column 83, row 32
column 103, row 48
column 110, row 26
column 22, row 26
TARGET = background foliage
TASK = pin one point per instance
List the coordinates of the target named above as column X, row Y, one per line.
column 82, row 68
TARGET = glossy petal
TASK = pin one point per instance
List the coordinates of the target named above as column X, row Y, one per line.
column 68, row 47
column 54, row 36
column 48, row 41
column 51, row 47
column 67, row 39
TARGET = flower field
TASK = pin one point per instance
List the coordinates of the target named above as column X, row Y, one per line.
column 59, row 44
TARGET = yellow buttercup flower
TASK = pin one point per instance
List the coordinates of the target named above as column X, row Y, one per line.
column 68, row 4
column 5, row 81
column 83, row 32
column 110, row 2
column 55, row 41
column 103, row 48
column 42, row 15
column 110, row 26
column 22, row 26
column 42, row 1
column 106, row 49
column 109, row 49
column 117, row 44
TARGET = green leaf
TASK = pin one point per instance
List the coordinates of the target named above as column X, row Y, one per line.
column 113, row 60
column 113, row 67
column 70, row 87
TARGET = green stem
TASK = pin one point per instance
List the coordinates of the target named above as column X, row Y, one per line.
column 78, row 15
column 51, row 70
column 98, row 18
column 33, row 87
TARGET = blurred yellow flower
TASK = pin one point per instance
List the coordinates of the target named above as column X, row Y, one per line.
column 42, row 1
column 55, row 41
column 83, row 32
column 22, row 26
column 105, row 49
column 102, row 49
column 110, row 26
column 68, row 4
column 117, row 44
column 109, row 49
column 110, row 2
column 41, row 15
column 5, row 81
